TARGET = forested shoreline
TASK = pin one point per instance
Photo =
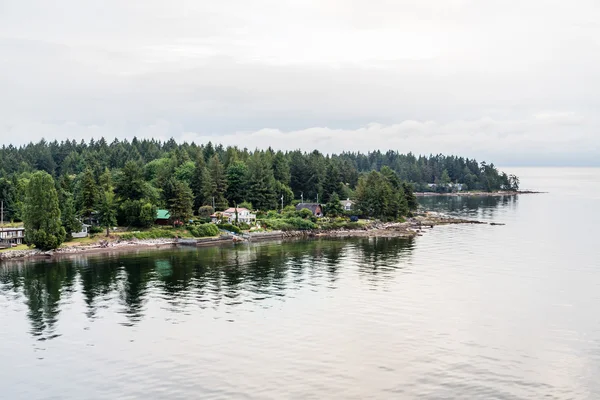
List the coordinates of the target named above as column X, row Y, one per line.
column 125, row 182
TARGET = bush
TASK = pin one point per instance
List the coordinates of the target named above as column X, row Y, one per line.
column 93, row 230
column 204, row 230
column 206, row 211
column 230, row 228
column 243, row 226
column 151, row 234
column 289, row 224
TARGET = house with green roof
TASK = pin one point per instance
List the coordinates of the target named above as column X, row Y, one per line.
column 163, row 217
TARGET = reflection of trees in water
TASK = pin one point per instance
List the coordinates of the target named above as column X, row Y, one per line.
column 43, row 289
column 475, row 206
column 207, row 277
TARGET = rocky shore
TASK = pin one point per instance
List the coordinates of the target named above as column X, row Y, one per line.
column 414, row 226
column 476, row 193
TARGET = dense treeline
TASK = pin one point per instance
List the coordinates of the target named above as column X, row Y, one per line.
column 126, row 182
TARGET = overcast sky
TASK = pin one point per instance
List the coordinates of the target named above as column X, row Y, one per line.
column 512, row 81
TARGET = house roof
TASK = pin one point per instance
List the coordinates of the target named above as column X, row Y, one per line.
column 231, row 210
column 163, row 214
column 311, row 206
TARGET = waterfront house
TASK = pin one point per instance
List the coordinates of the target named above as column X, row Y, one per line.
column 163, row 217
column 83, row 233
column 315, row 208
column 347, row 204
column 244, row 216
column 11, row 236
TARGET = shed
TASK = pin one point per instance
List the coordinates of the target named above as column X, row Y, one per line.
column 163, row 217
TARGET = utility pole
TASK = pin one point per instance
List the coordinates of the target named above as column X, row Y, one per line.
column 2, row 212
column 317, row 198
column 302, row 196
column 213, row 199
column 282, row 203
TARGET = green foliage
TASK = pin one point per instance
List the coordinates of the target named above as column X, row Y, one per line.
column 237, row 182
column 334, row 207
column 107, row 211
column 305, row 213
column 206, row 211
column 68, row 216
column 216, row 184
column 289, row 224
column 42, row 217
column 151, row 234
column 88, row 193
column 138, row 213
column 261, row 183
column 246, row 205
column 377, row 198
column 229, row 227
column 204, row 230
column 182, row 202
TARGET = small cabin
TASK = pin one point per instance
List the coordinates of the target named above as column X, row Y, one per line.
column 315, row 208
column 163, row 217
column 85, row 231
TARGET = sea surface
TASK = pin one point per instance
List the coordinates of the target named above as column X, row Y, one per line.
column 462, row 312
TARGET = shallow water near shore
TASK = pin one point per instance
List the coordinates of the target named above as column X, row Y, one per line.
column 465, row 311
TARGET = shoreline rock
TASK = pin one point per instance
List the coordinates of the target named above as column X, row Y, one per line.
column 411, row 228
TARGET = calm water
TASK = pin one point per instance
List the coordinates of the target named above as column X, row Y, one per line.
column 473, row 312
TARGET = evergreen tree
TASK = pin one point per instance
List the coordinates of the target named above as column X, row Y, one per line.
column 107, row 211
column 42, row 220
column 216, row 185
column 237, row 182
column 281, row 168
column 332, row 182
column 409, row 195
column 261, row 183
column 68, row 215
column 198, row 182
column 88, row 193
column 334, row 206
column 180, row 205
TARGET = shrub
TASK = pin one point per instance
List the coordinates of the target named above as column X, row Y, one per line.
column 204, row 230
column 151, row 234
column 230, row 228
column 206, row 211
column 93, row 230
column 289, row 224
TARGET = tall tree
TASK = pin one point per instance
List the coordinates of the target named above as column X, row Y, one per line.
column 199, row 182
column 68, row 215
column 334, row 206
column 107, row 212
column 43, row 227
column 180, row 205
column 237, row 182
column 281, row 168
column 88, row 193
column 332, row 182
column 217, row 184
column 261, row 183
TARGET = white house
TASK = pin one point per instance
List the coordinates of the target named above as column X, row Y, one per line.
column 11, row 236
column 244, row 216
column 347, row 204
column 83, row 233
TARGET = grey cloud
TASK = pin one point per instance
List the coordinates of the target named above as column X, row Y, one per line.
column 512, row 79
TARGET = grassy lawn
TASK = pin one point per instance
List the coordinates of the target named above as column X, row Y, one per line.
column 19, row 247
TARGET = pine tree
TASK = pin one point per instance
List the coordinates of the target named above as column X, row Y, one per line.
column 237, row 182
column 261, row 183
column 180, row 205
column 198, row 182
column 334, row 206
column 217, row 183
column 88, row 193
column 43, row 227
column 107, row 212
column 68, row 216
column 332, row 181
